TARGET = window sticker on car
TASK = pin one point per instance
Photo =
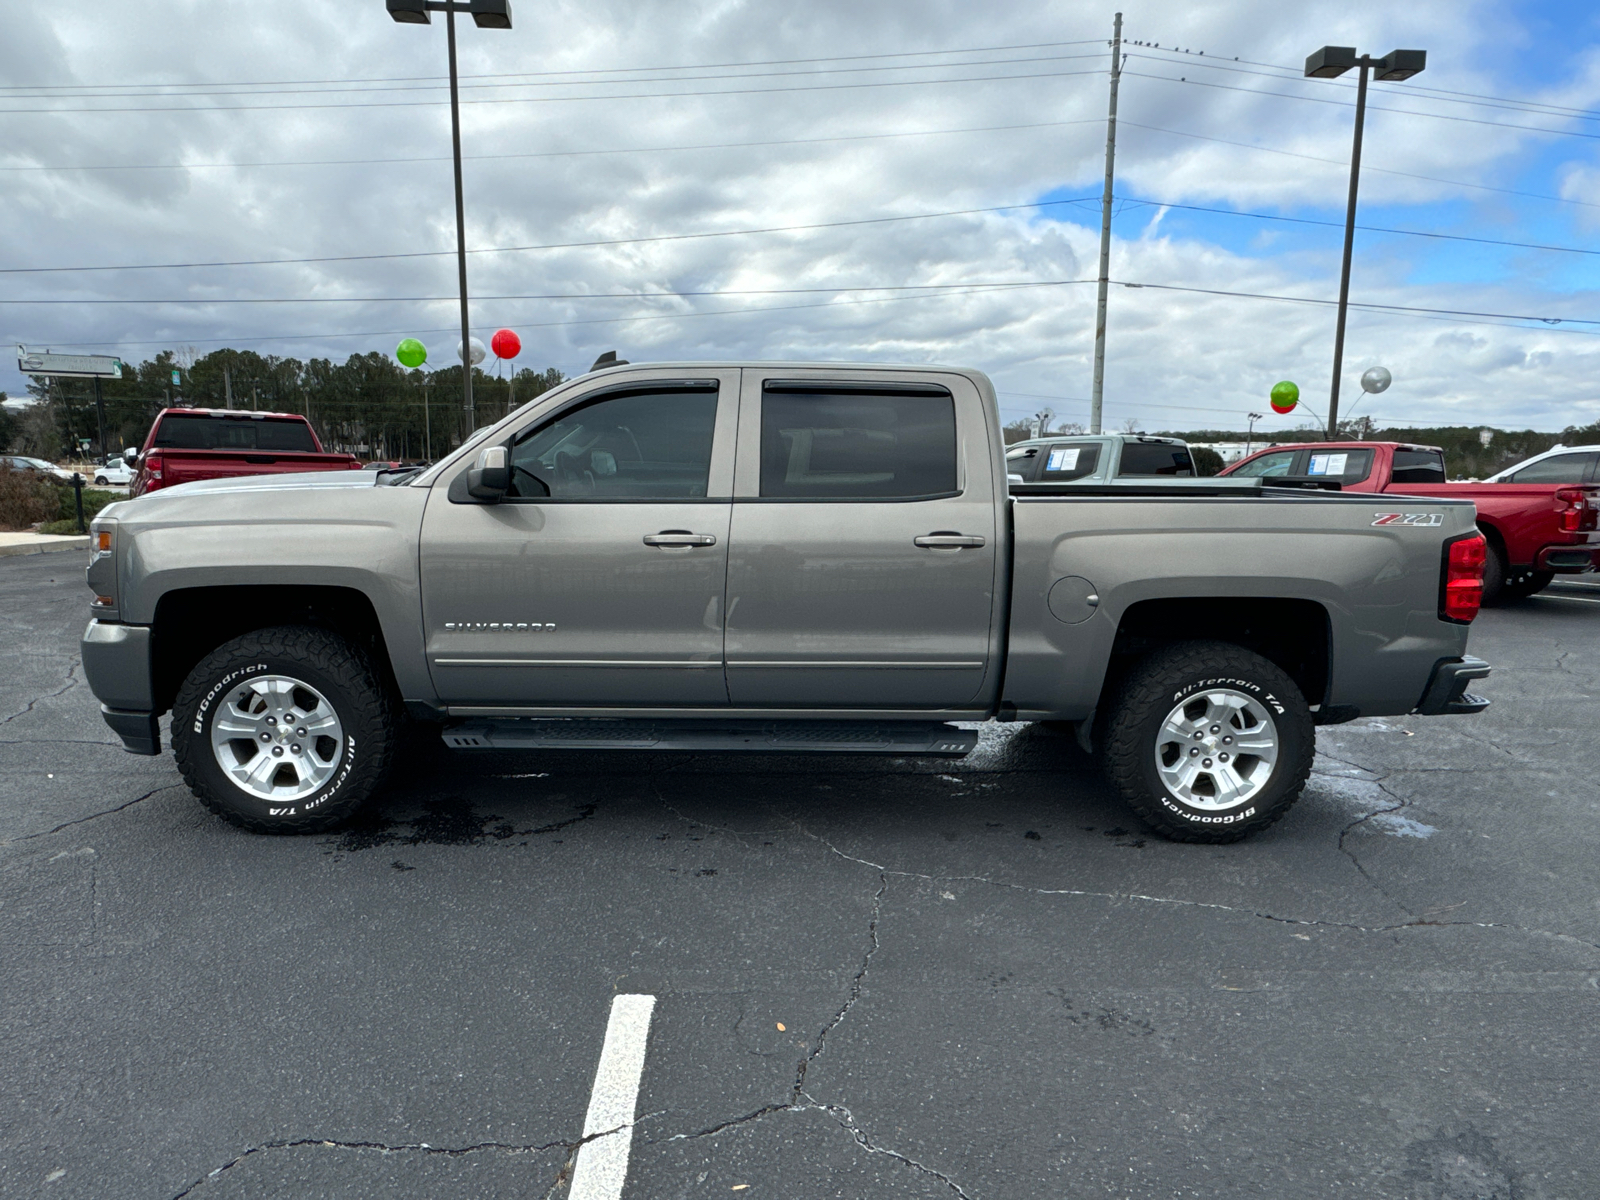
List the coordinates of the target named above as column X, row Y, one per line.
column 1427, row 519
column 1062, row 458
column 1327, row 464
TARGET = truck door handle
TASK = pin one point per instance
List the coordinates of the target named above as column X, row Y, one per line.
column 679, row 537
column 947, row 541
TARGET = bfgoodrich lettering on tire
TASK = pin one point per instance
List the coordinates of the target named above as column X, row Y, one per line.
column 284, row 730
column 1208, row 742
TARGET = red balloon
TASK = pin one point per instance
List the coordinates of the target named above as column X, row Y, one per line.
column 505, row 344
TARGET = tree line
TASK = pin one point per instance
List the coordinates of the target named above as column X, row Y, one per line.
column 369, row 405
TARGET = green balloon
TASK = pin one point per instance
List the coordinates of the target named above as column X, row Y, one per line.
column 1285, row 395
column 411, row 353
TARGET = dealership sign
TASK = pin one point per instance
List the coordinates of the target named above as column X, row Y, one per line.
column 69, row 366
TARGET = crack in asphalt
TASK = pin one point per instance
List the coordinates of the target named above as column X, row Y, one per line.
column 406, row 1147
column 842, row 1116
column 1416, row 923
column 72, row 682
column 855, row 989
column 28, row 837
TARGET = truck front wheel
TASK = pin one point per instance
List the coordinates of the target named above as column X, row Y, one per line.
column 284, row 730
column 1208, row 742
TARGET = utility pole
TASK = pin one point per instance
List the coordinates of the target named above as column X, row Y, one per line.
column 227, row 389
column 1097, row 396
column 461, row 224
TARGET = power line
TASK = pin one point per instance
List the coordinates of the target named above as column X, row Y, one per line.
column 807, row 291
column 1453, row 237
column 358, row 162
column 1228, row 87
column 818, row 87
column 771, row 62
column 1226, row 64
column 670, row 237
column 435, row 87
column 1394, row 308
column 1365, row 169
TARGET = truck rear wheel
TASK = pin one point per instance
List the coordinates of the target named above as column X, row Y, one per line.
column 284, row 730
column 1208, row 742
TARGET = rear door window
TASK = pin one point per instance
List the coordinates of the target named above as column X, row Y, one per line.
column 1154, row 458
column 1346, row 466
column 1559, row 468
column 1066, row 461
column 1418, row 466
column 1024, row 461
column 857, row 446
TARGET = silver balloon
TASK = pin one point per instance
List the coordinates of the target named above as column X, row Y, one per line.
column 1376, row 379
column 477, row 351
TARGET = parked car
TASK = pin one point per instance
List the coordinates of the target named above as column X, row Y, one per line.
column 115, row 471
column 1535, row 528
column 190, row 444
column 38, row 466
column 785, row 558
column 1560, row 464
column 1098, row 458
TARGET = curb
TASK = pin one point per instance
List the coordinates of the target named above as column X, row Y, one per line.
column 50, row 547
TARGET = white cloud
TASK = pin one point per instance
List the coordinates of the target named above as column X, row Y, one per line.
column 1209, row 359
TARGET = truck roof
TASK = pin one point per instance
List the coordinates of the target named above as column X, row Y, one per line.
column 235, row 413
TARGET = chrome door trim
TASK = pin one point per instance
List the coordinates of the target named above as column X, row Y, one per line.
column 831, row 664
column 577, row 662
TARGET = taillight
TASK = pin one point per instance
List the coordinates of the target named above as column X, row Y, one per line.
column 1578, row 512
column 1462, row 594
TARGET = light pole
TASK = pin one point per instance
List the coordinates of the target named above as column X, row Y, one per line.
column 1329, row 63
column 1250, row 432
column 486, row 14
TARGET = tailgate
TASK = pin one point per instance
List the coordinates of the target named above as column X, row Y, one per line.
column 190, row 466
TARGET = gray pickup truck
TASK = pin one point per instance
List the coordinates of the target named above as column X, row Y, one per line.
column 775, row 557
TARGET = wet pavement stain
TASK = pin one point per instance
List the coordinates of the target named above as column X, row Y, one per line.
column 443, row 822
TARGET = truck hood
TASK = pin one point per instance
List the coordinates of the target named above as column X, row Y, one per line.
column 289, row 481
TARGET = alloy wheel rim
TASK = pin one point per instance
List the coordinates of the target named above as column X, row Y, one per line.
column 277, row 738
column 1217, row 749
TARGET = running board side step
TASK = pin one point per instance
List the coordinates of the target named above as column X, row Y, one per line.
column 772, row 737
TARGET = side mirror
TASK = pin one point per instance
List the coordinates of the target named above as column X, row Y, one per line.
column 130, row 456
column 1010, row 479
column 490, row 479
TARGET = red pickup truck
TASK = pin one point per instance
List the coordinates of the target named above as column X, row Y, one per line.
column 189, row 444
column 1534, row 530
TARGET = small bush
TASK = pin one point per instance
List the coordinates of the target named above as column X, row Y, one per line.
column 1206, row 460
column 94, row 499
column 25, row 499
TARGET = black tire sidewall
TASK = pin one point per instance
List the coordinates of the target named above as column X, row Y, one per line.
column 1495, row 569
column 362, row 754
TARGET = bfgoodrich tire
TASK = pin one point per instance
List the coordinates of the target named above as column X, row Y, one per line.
column 1208, row 742
column 284, row 730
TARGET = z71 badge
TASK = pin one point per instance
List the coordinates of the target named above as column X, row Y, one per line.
column 1409, row 519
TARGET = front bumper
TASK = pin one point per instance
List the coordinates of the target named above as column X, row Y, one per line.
column 1447, row 690
column 116, row 664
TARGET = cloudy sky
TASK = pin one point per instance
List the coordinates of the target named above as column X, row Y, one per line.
column 911, row 180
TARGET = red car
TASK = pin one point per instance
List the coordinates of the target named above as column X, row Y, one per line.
column 189, row 444
column 1534, row 530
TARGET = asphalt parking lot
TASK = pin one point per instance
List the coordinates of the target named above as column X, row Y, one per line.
column 872, row 978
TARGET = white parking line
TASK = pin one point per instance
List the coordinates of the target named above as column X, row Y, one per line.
column 1574, row 599
column 602, row 1165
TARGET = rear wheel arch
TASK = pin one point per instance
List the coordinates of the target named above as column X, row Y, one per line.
column 1294, row 634
column 190, row 623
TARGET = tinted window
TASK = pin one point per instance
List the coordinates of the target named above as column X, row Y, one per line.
column 1067, row 461
column 233, row 433
column 1561, row 468
column 858, row 447
column 1347, row 466
column 1023, row 461
column 1418, row 466
column 1153, row 458
column 1277, row 463
column 641, row 446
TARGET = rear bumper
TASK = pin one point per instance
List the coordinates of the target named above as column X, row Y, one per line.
column 1447, row 690
column 1564, row 559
